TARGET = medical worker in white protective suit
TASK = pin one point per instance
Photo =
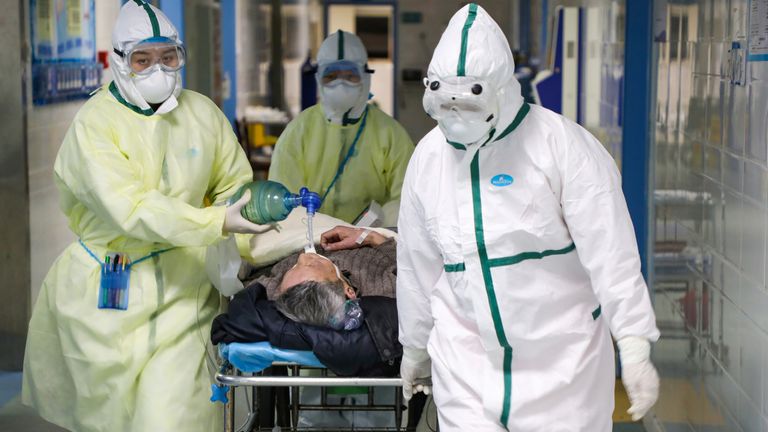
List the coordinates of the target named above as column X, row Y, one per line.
column 136, row 172
column 350, row 151
column 517, row 259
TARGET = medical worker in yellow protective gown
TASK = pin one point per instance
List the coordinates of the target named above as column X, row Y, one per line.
column 134, row 172
column 349, row 151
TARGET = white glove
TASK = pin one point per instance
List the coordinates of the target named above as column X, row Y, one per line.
column 234, row 222
column 416, row 372
column 638, row 375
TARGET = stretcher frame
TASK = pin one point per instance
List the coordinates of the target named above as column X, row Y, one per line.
column 230, row 376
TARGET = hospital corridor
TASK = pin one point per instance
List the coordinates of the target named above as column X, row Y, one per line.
column 384, row 215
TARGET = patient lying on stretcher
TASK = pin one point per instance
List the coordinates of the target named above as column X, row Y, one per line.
column 313, row 296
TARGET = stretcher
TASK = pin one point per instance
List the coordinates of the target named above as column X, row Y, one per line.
column 275, row 374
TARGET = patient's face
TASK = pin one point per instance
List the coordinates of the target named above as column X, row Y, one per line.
column 309, row 267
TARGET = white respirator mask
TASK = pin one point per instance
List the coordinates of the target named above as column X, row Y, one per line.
column 157, row 86
column 340, row 96
column 458, row 131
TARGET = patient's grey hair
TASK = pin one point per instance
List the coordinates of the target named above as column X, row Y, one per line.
column 312, row 302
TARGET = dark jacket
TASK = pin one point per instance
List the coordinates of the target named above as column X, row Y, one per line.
column 371, row 350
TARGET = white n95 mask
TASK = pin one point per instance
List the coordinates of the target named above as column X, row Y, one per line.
column 339, row 97
column 157, row 86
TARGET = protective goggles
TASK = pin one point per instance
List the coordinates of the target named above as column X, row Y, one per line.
column 162, row 52
column 334, row 73
column 466, row 98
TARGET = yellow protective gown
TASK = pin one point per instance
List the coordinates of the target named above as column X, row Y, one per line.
column 134, row 184
column 311, row 148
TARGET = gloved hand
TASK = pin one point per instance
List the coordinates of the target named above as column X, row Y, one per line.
column 416, row 372
column 638, row 375
column 234, row 222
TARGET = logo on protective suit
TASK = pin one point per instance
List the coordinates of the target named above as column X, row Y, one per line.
column 502, row 180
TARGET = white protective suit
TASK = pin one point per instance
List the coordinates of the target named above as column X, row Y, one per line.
column 516, row 258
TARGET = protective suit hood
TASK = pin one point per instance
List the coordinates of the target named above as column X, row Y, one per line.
column 136, row 22
column 473, row 45
column 343, row 45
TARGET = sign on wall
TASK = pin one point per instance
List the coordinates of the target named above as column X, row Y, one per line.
column 64, row 62
column 758, row 30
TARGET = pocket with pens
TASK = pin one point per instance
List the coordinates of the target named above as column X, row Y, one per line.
column 115, row 281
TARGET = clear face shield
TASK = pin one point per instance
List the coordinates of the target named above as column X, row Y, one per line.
column 465, row 99
column 150, row 54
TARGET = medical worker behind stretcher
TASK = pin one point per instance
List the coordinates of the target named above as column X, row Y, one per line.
column 346, row 149
column 516, row 259
column 135, row 171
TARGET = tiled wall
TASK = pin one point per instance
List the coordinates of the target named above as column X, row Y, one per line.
column 711, row 197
